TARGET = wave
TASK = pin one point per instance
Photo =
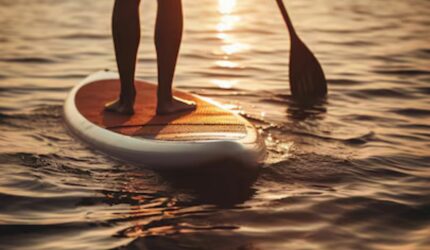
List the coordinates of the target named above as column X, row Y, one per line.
column 29, row 60
column 412, row 112
column 405, row 72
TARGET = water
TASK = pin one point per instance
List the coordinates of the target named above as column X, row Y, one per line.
column 351, row 173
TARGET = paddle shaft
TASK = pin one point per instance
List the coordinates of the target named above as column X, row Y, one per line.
column 286, row 18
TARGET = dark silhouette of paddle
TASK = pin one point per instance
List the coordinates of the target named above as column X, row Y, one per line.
column 307, row 80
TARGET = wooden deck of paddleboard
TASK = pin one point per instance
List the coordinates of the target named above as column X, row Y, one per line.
column 207, row 122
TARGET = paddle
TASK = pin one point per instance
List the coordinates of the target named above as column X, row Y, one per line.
column 307, row 80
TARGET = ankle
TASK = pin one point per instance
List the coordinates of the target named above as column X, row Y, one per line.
column 127, row 94
column 164, row 100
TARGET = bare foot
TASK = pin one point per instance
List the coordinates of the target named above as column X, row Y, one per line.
column 177, row 105
column 120, row 107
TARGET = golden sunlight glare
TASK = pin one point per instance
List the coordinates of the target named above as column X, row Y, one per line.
column 226, row 6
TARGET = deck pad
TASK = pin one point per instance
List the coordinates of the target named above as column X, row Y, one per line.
column 207, row 122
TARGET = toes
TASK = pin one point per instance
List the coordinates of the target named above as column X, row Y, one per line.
column 117, row 107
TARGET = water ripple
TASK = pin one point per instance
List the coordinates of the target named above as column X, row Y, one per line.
column 349, row 172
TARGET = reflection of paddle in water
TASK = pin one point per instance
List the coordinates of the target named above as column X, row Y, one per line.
column 306, row 111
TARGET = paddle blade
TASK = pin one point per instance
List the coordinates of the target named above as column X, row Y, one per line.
column 307, row 79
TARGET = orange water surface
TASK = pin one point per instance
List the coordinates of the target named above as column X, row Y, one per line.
column 349, row 173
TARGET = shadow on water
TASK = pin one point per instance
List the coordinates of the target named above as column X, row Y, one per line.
column 224, row 184
column 221, row 185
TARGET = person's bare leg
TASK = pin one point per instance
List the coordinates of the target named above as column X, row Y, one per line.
column 168, row 35
column 126, row 36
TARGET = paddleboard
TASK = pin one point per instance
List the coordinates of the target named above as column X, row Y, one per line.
column 208, row 134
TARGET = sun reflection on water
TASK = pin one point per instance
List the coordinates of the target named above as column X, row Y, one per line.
column 234, row 48
column 226, row 6
column 227, row 22
column 229, row 44
column 224, row 84
column 227, row 64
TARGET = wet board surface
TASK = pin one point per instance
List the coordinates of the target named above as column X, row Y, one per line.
column 209, row 133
